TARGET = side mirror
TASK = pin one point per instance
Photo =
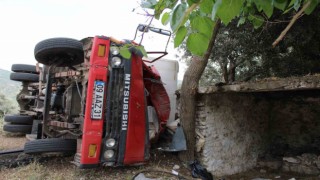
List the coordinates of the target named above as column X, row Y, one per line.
column 142, row 28
column 160, row 31
column 145, row 28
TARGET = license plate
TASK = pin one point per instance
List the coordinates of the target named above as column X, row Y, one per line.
column 97, row 100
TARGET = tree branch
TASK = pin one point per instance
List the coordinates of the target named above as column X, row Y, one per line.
column 187, row 12
column 293, row 20
column 213, row 38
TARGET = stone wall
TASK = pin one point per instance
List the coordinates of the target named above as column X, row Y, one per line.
column 235, row 129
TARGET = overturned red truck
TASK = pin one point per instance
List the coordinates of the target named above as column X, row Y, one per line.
column 97, row 104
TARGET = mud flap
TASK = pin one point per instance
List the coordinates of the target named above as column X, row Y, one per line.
column 178, row 141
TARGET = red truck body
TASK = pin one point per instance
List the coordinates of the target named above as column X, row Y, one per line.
column 132, row 139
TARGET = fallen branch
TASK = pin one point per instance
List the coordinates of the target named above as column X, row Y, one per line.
column 293, row 20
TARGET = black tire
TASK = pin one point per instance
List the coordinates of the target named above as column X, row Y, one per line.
column 54, row 145
column 61, row 52
column 24, row 68
column 26, row 77
column 18, row 119
column 17, row 128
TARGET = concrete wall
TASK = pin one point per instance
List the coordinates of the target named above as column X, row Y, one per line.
column 235, row 129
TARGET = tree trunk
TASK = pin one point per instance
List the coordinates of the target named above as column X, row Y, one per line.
column 224, row 68
column 188, row 94
column 232, row 71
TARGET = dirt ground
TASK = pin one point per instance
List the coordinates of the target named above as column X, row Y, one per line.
column 9, row 141
column 61, row 168
column 159, row 167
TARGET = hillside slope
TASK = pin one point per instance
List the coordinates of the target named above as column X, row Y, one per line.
column 7, row 87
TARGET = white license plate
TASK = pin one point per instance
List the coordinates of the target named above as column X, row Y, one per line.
column 97, row 100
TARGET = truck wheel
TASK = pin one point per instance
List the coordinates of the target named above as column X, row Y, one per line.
column 17, row 128
column 61, row 52
column 18, row 119
column 27, row 77
column 54, row 145
column 24, row 68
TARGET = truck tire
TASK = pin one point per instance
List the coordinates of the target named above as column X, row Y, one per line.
column 17, row 128
column 53, row 145
column 18, row 119
column 61, row 52
column 24, row 68
column 26, row 77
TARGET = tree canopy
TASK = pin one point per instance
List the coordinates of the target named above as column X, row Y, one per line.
column 195, row 18
column 243, row 53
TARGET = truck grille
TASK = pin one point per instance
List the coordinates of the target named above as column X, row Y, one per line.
column 114, row 103
column 117, row 85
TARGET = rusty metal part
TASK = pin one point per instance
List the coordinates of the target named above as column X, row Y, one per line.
column 28, row 112
column 67, row 73
column 23, row 96
column 45, row 128
column 62, row 124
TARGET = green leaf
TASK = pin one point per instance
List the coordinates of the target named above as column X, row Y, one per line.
column 292, row 2
column 124, row 52
column 249, row 10
column 290, row 6
column 165, row 18
column 194, row 14
column 280, row 4
column 171, row 3
column 215, row 8
column 241, row 21
column 190, row 2
column 256, row 20
column 178, row 16
column 197, row 43
column 266, row 6
column 162, row 5
column 229, row 9
column 148, row 4
column 311, row 7
column 203, row 25
column 180, row 35
column 142, row 50
column 296, row 5
column 206, row 6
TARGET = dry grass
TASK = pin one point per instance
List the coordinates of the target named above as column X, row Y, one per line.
column 10, row 140
column 1, row 125
column 61, row 168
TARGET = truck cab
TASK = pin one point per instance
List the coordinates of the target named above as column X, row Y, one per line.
column 103, row 107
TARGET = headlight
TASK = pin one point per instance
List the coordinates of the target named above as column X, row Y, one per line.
column 110, row 142
column 116, row 61
column 108, row 154
column 114, row 50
